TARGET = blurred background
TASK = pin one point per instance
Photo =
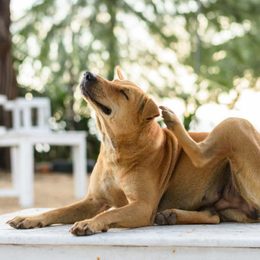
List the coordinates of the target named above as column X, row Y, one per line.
column 200, row 58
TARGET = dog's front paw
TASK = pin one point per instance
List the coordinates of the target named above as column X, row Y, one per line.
column 170, row 118
column 87, row 228
column 166, row 217
column 26, row 222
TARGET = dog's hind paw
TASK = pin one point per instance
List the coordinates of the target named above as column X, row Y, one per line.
column 170, row 118
column 166, row 217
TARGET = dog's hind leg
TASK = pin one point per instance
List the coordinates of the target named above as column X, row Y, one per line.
column 237, row 215
column 178, row 216
column 214, row 148
column 235, row 140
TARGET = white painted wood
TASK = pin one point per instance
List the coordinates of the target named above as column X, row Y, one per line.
column 26, row 179
column 27, row 118
column 41, row 117
column 213, row 242
column 24, row 136
column 7, row 140
column 77, row 140
column 22, row 108
column 79, row 169
column 23, row 160
column 2, row 130
column 16, row 118
column 15, row 152
column 2, row 99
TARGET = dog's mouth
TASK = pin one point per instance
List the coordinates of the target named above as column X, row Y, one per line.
column 105, row 109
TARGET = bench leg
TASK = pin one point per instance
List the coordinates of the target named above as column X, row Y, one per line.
column 15, row 167
column 79, row 169
column 26, row 176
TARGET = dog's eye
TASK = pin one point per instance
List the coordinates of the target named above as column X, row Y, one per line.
column 124, row 94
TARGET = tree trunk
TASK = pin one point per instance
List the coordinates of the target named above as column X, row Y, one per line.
column 112, row 41
column 8, row 85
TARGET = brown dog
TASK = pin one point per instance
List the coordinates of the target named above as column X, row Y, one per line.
column 143, row 169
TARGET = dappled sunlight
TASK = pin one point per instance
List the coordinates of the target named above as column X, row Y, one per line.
column 172, row 49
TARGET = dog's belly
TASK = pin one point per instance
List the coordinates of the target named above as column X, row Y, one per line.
column 211, row 187
column 232, row 199
column 193, row 188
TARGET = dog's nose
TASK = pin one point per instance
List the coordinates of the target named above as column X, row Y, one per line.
column 89, row 79
column 88, row 76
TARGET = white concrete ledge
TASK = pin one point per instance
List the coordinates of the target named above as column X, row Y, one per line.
column 181, row 241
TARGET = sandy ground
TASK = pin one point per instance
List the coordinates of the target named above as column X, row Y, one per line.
column 51, row 190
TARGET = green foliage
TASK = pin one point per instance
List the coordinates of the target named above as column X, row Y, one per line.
column 214, row 43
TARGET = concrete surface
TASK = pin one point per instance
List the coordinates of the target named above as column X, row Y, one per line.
column 166, row 242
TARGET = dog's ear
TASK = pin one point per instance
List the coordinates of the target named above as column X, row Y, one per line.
column 119, row 74
column 150, row 109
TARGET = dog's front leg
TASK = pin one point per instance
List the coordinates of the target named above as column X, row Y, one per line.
column 136, row 214
column 83, row 209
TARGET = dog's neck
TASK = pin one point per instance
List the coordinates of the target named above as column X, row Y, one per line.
column 149, row 137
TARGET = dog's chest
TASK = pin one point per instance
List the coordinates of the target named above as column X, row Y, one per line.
column 110, row 185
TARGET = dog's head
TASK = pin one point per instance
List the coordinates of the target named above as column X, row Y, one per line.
column 120, row 105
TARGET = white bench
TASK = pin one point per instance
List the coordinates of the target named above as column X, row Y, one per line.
column 22, row 150
column 25, row 134
column 214, row 242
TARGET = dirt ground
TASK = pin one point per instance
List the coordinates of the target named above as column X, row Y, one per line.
column 50, row 190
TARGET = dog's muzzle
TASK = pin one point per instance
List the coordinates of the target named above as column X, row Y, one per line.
column 88, row 80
